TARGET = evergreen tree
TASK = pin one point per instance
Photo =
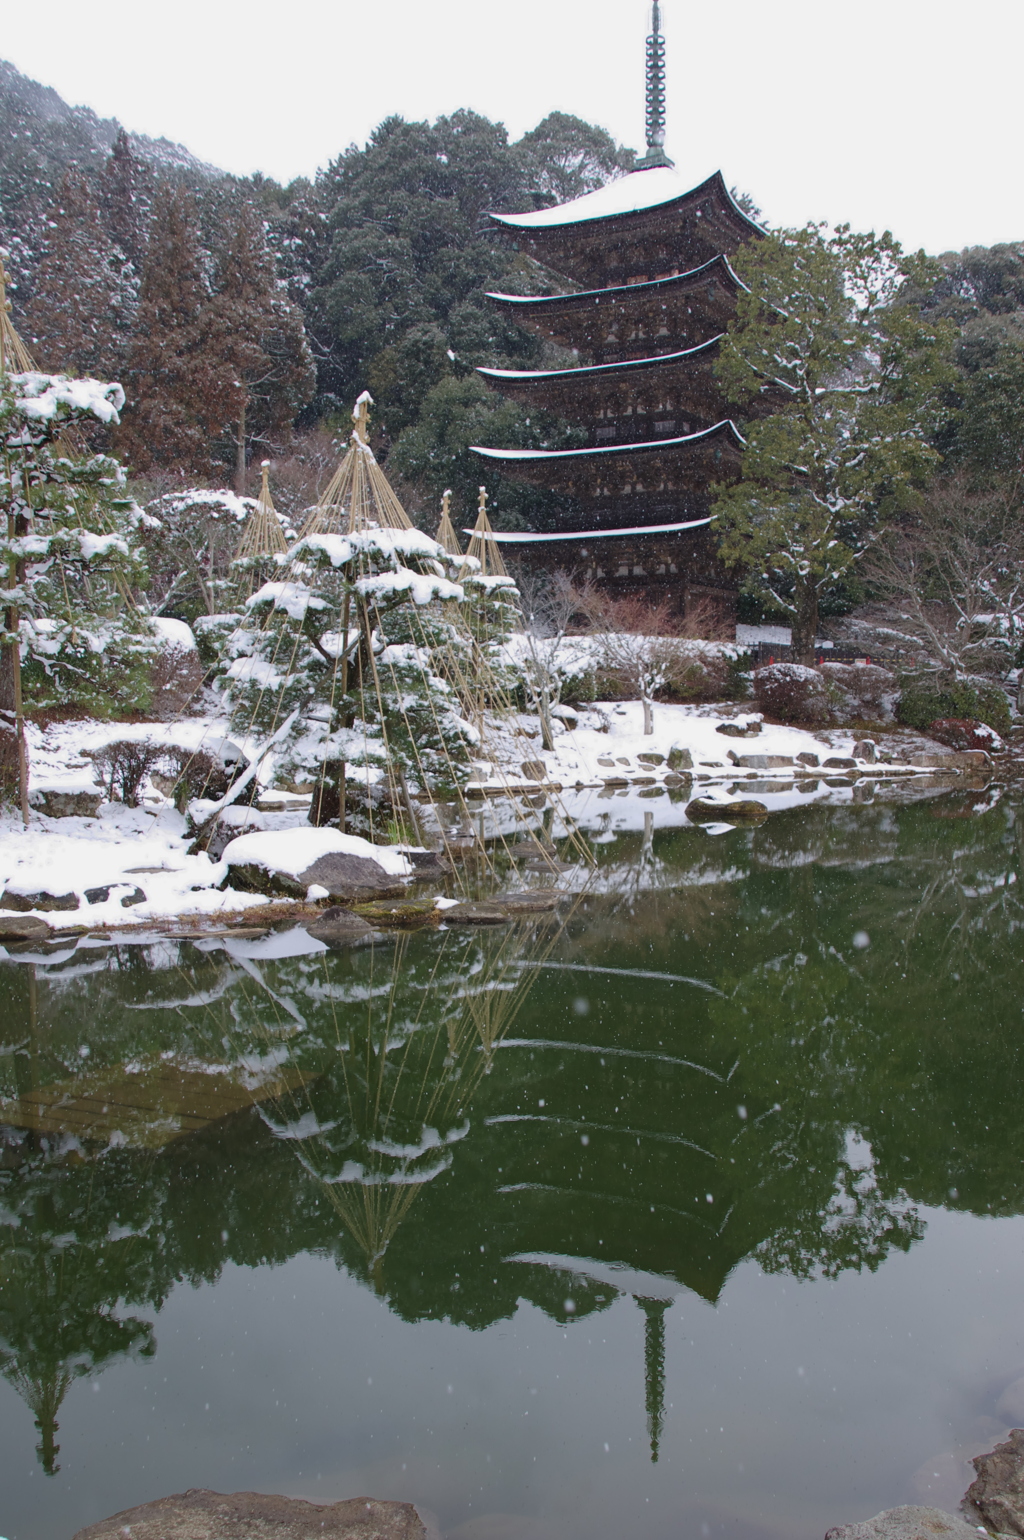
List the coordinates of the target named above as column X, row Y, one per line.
column 564, row 157
column 256, row 336
column 434, row 453
column 855, row 377
column 70, row 553
column 77, row 319
column 125, row 199
column 175, row 383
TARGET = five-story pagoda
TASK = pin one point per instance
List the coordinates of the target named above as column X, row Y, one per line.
column 649, row 258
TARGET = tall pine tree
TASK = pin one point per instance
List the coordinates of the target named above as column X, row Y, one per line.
column 126, row 197
column 77, row 317
column 173, row 381
column 258, row 340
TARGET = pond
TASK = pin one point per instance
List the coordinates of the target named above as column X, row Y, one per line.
column 694, row 1208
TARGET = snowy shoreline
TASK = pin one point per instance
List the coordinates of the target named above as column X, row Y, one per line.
column 128, row 869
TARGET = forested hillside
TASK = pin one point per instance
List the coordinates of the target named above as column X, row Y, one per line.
column 244, row 317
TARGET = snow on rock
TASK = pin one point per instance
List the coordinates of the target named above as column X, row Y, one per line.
column 294, row 851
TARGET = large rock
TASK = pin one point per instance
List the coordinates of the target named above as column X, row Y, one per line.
column 680, row 759
column 345, row 879
column 967, row 759
column 201, row 1515
column 23, row 928
column 66, row 801
column 996, row 1495
column 761, row 761
column 339, row 927
column 475, row 914
column 739, row 729
column 742, row 810
column 23, row 902
column 860, row 691
column 907, row 1523
column 789, row 692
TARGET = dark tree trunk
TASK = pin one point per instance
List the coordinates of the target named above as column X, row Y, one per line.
column 10, row 745
column 805, row 624
column 13, row 751
column 240, row 454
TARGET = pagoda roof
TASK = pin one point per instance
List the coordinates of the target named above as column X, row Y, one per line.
column 614, row 293
column 654, row 188
column 523, row 537
column 726, row 429
column 601, row 371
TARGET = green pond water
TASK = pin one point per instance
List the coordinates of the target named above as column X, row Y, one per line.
column 692, row 1210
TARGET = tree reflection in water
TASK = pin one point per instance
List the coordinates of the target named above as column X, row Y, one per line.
column 635, row 1134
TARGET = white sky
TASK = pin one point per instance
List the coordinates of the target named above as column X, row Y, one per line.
column 884, row 113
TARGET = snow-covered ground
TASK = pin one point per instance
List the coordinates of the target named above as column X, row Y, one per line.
column 141, row 854
column 609, row 740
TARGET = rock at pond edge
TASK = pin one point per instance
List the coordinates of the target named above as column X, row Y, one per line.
column 204, row 1515
column 996, row 1495
column 744, row 810
column 23, row 928
column 345, row 878
column 906, row 1523
column 339, row 927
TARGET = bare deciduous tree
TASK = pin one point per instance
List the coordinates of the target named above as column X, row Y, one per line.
column 549, row 602
column 953, row 580
column 650, row 647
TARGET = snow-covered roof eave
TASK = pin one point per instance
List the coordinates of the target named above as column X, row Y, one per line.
column 620, row 288
column 726, row 427
column 520, row 537
column 633, row 193
column 580, row 371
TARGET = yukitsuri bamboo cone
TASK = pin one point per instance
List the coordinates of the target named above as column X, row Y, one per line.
column 262, row 540
column 446, row 535
column 262, row 534
column 483, row 545
column 358, row 495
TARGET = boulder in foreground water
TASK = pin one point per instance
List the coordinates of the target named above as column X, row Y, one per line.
column 996, row 1495
column 740, row 810
column 906, row 1523
column 202, row 1515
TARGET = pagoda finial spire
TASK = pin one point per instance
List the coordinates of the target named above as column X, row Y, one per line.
column 655, row 117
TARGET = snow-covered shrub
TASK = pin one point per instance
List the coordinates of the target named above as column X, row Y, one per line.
column 124, row 765
column 927, row 698
column 191, row 539
column 966, row 733
column 193, row 773
column 860, row 691
column 211, row 633
column 790, row 692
